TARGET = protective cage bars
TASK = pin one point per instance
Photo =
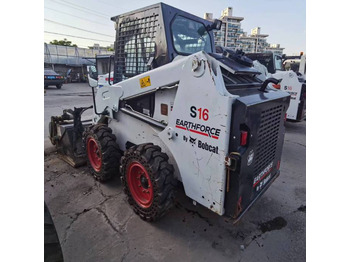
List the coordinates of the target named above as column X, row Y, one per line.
column 135, row 45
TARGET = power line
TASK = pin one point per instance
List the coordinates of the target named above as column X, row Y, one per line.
column 78, row 37
column 81, row 29
column 78, row 7
column 75, row 16
column 109, row 4
column 84, row 8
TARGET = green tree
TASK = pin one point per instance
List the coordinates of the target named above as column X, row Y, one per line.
column 63, row 42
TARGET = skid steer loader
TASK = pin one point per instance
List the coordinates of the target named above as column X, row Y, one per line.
column 292, row 81
column 177, row 111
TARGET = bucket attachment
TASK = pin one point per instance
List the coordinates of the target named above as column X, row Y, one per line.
column 66, row 132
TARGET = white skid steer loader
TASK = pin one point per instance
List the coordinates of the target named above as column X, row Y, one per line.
column 177, row 111
column 292, row 81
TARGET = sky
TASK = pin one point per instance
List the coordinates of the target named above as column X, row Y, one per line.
column 283, row 20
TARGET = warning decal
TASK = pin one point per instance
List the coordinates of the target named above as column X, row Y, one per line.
column 145, row 81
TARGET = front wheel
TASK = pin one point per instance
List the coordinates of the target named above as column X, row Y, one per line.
column 148, row 181
column 59, row 86
column 102, row 152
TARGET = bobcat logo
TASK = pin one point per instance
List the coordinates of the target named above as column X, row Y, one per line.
column 193, row 140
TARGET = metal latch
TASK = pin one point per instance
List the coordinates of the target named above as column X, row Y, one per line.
column 231, row 163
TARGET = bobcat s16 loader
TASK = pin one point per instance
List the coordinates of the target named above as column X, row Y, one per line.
column 177, row 111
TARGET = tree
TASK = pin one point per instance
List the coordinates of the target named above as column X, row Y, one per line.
column 63, row 42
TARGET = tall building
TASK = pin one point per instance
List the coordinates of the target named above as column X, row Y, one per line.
column 275, row 48
column 253, row 43
column 232, row 36
column 230, row 28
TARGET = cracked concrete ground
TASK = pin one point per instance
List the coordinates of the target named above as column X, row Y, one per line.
column 95, row 223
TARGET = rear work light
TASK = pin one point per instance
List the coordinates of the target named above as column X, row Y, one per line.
column 244, row 138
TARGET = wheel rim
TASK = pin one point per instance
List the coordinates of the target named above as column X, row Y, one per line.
column 94, row 154
column 140, row 185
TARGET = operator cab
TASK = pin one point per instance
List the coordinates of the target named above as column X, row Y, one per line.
column 153, row 36
column 273, row 62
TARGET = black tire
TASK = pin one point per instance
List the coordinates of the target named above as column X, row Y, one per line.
column 52, row 246
column 101, row 143
column 160, row 180
column 59, row 86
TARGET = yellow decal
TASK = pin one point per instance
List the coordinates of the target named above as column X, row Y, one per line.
column 145, row 81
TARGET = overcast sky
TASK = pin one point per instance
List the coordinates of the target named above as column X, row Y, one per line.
column 282, row 20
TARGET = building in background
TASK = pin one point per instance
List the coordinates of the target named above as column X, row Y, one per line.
column 230, row 28
column 102, row 48
column 232, row 36
column 275, row 48
column 253, row 43
column 70, row 61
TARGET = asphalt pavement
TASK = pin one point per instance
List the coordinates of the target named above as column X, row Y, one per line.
column 95, row 223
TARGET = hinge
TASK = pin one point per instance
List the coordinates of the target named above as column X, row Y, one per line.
column 231, row 163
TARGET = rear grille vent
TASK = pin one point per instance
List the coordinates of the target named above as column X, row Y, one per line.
column 267, row 137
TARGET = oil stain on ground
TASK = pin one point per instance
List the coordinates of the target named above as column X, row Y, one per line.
column 275, row 224
column 302, row 208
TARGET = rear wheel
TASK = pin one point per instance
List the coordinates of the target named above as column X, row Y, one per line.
column 59, row 86
column 102, row 151
column 148, row 181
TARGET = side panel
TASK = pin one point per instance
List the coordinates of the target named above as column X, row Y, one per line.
column 164, row 103
column 198, row 135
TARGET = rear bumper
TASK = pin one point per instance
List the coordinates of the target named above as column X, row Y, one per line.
column 257, row 197
column 53, row 82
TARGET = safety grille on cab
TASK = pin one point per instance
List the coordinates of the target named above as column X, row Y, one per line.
column 267, row 137
column 135, row 46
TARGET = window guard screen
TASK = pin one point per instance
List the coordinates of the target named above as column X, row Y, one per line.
column 135, row 46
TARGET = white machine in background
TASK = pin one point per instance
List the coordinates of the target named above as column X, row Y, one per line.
column 292, row 72
column 100, row 74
